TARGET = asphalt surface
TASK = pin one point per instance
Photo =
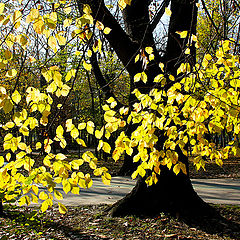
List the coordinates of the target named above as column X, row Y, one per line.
column 219, row 191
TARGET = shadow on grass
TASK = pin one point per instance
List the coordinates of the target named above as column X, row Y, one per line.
column 25, row 220
column 225, row 223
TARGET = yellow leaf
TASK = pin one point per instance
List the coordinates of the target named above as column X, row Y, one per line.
column 88, row 181
column 2, row 6
column 1, row 161
column 34, row 198
column 176, row 169
column 168, row 11
column 44, row 206
column 60, row 156
column 76, row 163
column 92, row 165
column 159, row 78
column 81, row 126
column 8, row 156
column 81, row 142
column 187, row 51
column 106, row 147
column 11, row 73
column 98, row 172
column 137, row 77
column 75, row 190
column 74, row 133
column 137, row 58
column 171, row 77
column 106, row 179
column 122, row 4
column 183, row 34
column 70, row 74
column 59, row 131
column 69, row 125
column 107, row 30
column 61, row 39
column 109, row 116
column 67, row 10
column 149, row 50
column 38, row 145
column 67, row 187
column 8, row 106
column 52, row 42
column 58, row 195
column 87, row 66
column 100, row 145
column 144, row 77
column 39, row 26
column 89, row 53
column 22, row 201
column 22, row 146
column 47, row 162
column 90, row 127
column 43, row 196
column 99, row 134
column 62, row 209
column 10, row 124
column 67, row 22
column 35, row 189
column 87, row 9
column 17, row 15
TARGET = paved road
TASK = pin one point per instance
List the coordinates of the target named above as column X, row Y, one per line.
column 220, row 191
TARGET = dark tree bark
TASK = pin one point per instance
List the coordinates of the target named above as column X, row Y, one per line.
column 172, row 193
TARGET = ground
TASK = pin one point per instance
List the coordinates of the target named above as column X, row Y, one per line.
column 91, row 222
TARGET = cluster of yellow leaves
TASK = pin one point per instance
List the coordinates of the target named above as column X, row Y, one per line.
column 56, row 169
column 30, row 111
column 54, row 77
column 187, row 117
column 123, row 3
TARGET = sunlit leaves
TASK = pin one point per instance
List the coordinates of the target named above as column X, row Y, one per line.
column 87, row 66
column 62, row 209
column 11, row 73
column 107, row 30
column 183, row 34
column 168, row 11
column 52, row 42
column 140, row 76
column 70, row 74
column 39, row 26
column 123, row 3
column 90, row 127
column 2, row 6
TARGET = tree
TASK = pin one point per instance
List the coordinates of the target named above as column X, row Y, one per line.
column 172, row 192
column 174, row 103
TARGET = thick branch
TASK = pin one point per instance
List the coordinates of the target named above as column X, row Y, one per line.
column 124, row 47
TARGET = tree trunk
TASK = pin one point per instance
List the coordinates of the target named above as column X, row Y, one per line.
column 172, row 193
